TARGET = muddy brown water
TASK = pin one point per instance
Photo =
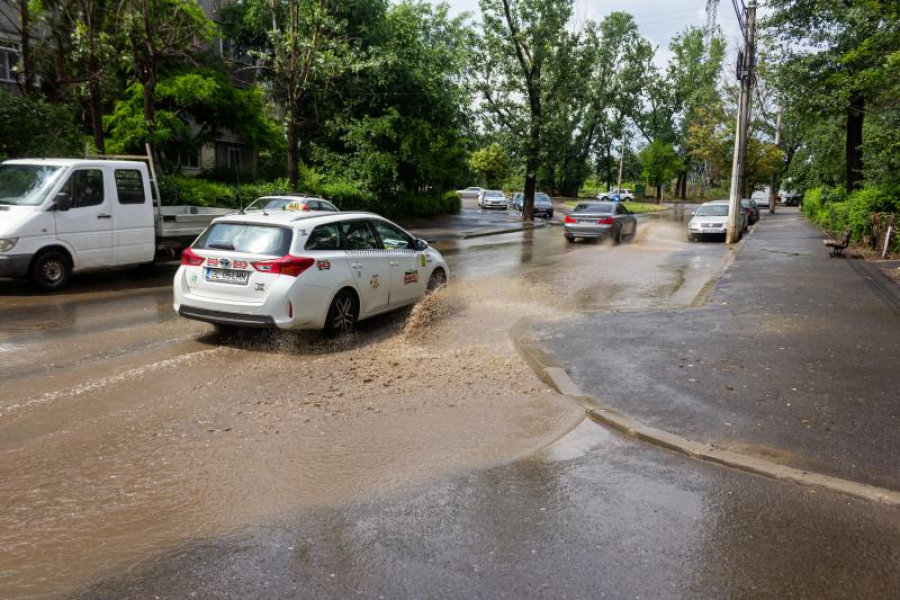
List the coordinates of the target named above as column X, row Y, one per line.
column 126, row 431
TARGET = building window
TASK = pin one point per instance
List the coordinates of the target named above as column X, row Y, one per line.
column 234, row 157
column 9, row 58
column 189, row 159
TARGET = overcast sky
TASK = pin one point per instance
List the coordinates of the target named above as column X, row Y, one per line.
column 658, row 20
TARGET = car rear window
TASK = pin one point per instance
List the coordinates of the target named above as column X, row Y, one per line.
column 604, row 208
column 247, row 238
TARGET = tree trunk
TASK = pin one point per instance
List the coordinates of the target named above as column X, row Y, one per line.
column 27, row 56
column 855, row 116
column 292, row 159
column 658, row 193
column 683, row 194
column 609, row 174
column 96, row 116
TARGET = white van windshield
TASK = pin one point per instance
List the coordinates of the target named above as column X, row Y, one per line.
column 26, row 185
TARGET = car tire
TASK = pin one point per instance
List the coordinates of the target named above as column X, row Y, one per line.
column 550, row 215
column 617, row 237
column 50, row 271
column 570, row 239
column 437, row 280
column 342, row 314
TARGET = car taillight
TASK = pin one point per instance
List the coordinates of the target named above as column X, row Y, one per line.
column 570, row 219
column 606, row 221
column 189, row 258
column 291, row 266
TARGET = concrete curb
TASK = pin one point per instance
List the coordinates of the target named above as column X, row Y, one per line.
column 499, row 231
column 554, row 375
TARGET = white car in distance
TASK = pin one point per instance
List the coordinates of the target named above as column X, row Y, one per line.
column 470, row 192
column 492, row 199
column 303, row 270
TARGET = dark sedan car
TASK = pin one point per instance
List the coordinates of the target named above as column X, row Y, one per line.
column 543, row 205
column 750, row 209
column 600, row 219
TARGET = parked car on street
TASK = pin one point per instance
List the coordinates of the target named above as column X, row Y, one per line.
column 65, row 216
column 751, row 210
column 543, row 205
column 470, row 192
column 761, row 198
column 623, row 194
column 711, row 221
column 307, row 270
column 492, row 199
column 790, row 197
column 600, row 219
column 291, row 202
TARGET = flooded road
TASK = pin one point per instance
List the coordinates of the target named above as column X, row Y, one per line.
column 126, row 431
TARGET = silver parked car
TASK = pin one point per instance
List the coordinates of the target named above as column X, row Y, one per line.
column 711, row 220
column 600, row 219
column 492, row 199
column 470, row 192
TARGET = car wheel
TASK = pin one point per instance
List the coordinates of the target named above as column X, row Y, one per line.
column 617, row 237
column 550, row 215
column 51, row 271
column 342, row 314
column 570, row 239
column 437, row 280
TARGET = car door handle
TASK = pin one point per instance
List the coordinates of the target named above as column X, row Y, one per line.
column 394, row 263
column 356, row 265
column 104, row 216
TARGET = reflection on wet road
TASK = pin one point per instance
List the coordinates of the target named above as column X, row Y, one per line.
column 594, row 515
column 127, row 432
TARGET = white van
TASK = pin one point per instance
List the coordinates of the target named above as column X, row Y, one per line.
column 63, row 216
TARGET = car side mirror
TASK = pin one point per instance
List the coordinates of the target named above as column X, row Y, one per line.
column 63, row 201
column 421, row 245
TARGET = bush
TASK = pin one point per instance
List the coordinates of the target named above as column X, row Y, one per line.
column 33, row 128
column 835, row 211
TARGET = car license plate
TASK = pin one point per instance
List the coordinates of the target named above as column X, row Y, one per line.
column 587, row 220
column 228, row 276
column 708, row 230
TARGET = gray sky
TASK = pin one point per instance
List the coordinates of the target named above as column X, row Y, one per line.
column 658, row 20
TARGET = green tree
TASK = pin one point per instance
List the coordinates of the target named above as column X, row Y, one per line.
column 160, row 32
column 660, row 164
column 491, row 164
column 519, row 41
column 838, row 59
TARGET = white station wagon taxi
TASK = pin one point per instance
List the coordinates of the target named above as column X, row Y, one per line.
column 303, row 270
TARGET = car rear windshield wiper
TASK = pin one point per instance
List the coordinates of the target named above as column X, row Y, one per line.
column 221, row 246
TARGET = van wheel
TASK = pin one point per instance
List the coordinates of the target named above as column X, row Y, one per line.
column 342, row 314
column 51, row 271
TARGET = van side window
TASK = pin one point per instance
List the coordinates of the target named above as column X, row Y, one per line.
column 85, row 187
column 130, row 186
column 324, row 237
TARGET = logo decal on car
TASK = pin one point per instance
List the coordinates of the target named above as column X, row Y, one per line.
column 374, row 281
column 323, row 265
column 224, row 262
column 260, row 287
column 410, row 277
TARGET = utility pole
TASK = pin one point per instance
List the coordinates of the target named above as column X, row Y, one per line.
column 621, row 164
column 745, row 74
column 776, row 180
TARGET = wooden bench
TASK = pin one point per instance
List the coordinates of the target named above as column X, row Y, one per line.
column 838, row 246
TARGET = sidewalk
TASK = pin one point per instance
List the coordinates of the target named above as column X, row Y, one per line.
column 795, row 358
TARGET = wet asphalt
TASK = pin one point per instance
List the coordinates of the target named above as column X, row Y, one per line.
column 137, row 462
column 792, row 358
column 594, row 515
